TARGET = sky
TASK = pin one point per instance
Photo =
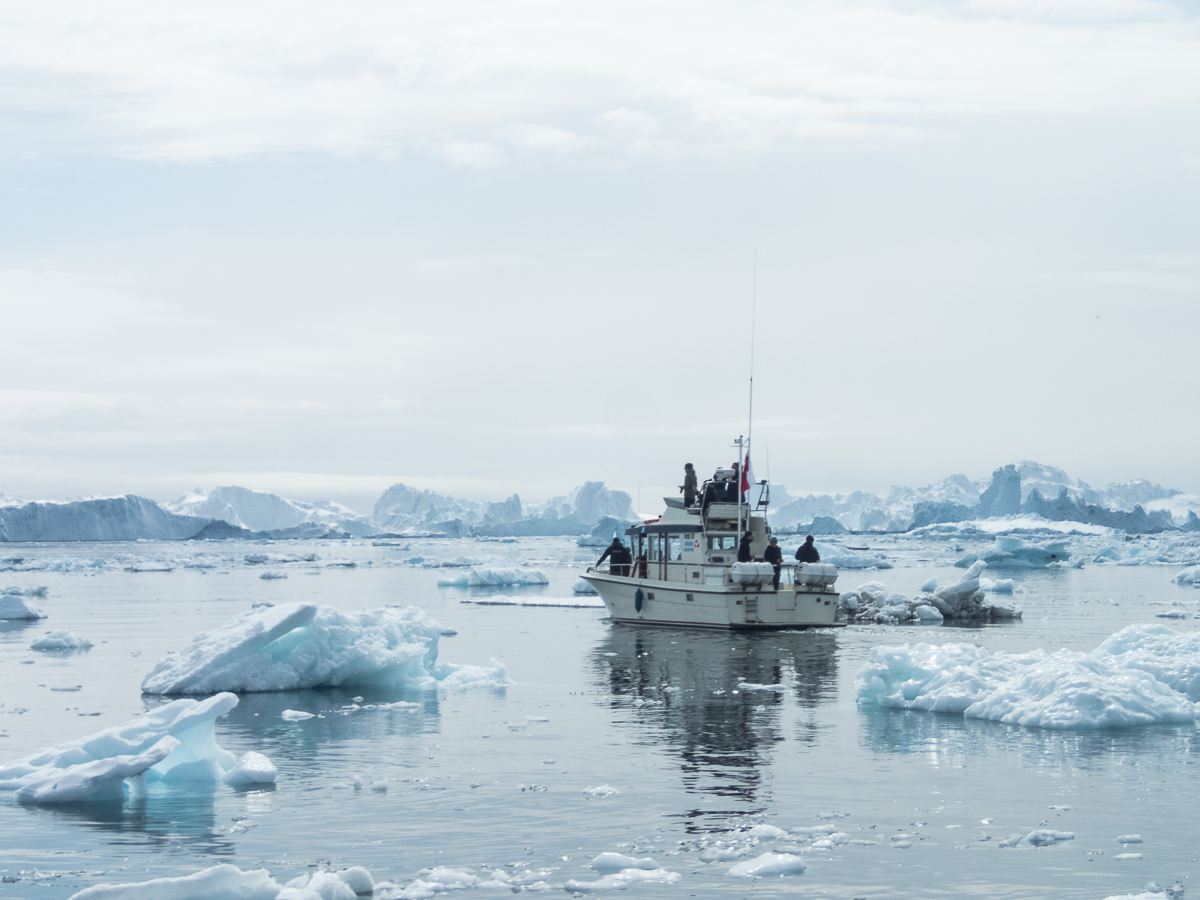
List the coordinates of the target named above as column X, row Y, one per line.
column 486, row 248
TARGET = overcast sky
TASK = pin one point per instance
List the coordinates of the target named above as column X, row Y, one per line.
column 319, row 248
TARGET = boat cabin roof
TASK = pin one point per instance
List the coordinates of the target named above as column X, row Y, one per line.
column 658, row 528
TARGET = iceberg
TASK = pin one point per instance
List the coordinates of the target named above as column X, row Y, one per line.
column 13, row 605
column 480, row 576
column 173, row 744
column 294, row 646
column 263, row 511
column 965, row 599
column 127, row 518
column 1142, row 675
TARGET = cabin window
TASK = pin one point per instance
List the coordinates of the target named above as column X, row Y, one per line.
column 656, row 547
column 728, row 542
column 675, row 545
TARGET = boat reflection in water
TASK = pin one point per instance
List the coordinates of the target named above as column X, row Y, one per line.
column 684, row 691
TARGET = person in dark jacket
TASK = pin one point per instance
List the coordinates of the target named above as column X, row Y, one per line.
column 619, row 557
column 689, row 485
column 808, row 552
column 774, row 556
column 744, row 554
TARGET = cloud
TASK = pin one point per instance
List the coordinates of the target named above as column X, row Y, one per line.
column 475, row 81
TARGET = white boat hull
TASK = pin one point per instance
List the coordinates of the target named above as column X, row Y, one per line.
column 696, row 606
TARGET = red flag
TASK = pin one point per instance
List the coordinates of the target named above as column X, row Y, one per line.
column 747, row 475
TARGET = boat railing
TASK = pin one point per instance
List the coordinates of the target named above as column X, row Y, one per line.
column 680, row 572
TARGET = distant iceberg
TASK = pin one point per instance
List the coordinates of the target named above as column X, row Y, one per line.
column 294, row 646
column 1142, row 675
column 263, row 511
column 127, row 518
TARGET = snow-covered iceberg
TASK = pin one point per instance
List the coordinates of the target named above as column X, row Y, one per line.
column 294, row 646
column 127, row 518
column 263, row 511
column 1144, row 674
column 174, row 744
column 480, row 576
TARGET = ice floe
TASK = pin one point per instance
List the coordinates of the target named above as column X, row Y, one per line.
column 228, row 882
column 1143, row 674
column 174, row 744
column 480, row 576
column 60, row 640
column 584, row 587
column 294, row 646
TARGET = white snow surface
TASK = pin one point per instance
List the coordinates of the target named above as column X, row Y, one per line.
column 481, row 576
column 1142, row 675
column 172, row 744
column 228, row 882
column 293, row 646
column 60, row 640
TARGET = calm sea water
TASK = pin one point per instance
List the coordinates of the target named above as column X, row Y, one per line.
column 507, row 778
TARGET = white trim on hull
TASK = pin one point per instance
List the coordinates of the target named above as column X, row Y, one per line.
column 664, row 603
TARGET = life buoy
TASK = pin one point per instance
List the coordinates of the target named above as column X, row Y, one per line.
column 637, row 600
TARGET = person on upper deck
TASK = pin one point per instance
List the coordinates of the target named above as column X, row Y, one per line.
column 774, row 556
column 808, row 551
column 744, row 554
column 619, row 557
column 689, row 485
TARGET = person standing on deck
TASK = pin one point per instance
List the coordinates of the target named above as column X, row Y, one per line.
column 808, row 551
column 689, row 485
column 620, row 557
column 774, row 556
column 744, row 554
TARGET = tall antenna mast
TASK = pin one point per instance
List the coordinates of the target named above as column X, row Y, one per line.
column 753, row 323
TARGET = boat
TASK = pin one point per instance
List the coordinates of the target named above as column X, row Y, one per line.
column 685, row 572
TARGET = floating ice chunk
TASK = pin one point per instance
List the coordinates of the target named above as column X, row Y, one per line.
column 929, row 586
column 224, row 881
column 252, row 768
column 13, row 605
column 604, row 790
column 856, row 561
column 1012, row 552
column 271, row 574
column 293, row 646
column 769, row 864
column 173, row 744
column 925, row 613
column 615, row 862
column 98, row 780
column 766, row 832
column 750, row 686
column 1129, row 839
column 466, row 677
column 296, row 715
column 1170, row 656
column 60, row 640
column 1139, row 676
column 1188, row 576
column 584, row 587
column 479, row 576
column 619, row 881
column 1128, row 856
column 1045, row 837
column 999, row 586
